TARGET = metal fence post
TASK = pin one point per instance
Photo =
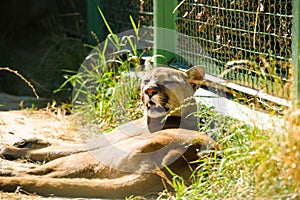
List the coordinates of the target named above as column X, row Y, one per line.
column 295, row 54
column 165, row 38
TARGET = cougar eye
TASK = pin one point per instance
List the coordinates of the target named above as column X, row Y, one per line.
column 146, row 81
column 169, row 82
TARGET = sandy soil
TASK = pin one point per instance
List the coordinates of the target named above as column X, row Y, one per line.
column 16, row 125
column 46, row 123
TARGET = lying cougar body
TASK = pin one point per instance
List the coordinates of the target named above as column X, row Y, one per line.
column 131, row 159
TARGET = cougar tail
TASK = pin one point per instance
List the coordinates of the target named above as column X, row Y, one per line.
column 135, row 184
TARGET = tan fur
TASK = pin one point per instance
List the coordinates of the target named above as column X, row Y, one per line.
column 130, row 160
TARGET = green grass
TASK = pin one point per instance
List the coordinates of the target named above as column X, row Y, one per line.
column 255, row 164
column 105, row 93
column 252, row 163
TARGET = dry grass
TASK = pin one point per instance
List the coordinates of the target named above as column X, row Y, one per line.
column 22, row 78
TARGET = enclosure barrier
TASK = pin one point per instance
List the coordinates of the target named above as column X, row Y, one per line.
column 245, row 45
column 296, row 54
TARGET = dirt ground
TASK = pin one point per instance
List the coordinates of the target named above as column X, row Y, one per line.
column 45, row 123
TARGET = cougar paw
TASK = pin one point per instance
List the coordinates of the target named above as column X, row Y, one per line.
column 32, row 143
column 21, row 148
column 8, row 152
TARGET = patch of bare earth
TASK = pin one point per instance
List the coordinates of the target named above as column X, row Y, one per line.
column 20, row 124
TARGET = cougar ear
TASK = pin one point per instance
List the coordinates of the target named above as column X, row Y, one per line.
column 195, row 75
column 148, row 66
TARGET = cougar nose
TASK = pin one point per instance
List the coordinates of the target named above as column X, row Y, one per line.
column 151, row 91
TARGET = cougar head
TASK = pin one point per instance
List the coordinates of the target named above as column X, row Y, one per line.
column 166, row 91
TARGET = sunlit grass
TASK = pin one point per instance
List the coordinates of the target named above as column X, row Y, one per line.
column 254, row 164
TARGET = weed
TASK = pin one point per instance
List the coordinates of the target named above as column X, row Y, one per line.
column 105, row 90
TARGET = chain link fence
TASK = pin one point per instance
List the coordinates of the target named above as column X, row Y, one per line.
column 240, row 41
column 246, row 42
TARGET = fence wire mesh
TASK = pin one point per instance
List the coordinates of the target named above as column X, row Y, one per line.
column 247, row 42
column 243, row 41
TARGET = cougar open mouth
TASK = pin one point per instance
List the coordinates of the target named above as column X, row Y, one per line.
column 151, row 104
column 156, row 110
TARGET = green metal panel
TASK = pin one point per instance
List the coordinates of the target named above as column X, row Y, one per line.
column 296, row 55
column 165, row 30
column 95, row 22
column 117, row 14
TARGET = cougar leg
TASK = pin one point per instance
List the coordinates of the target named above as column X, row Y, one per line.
column 131, row 184
column 12, row 168
column 39, row 150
